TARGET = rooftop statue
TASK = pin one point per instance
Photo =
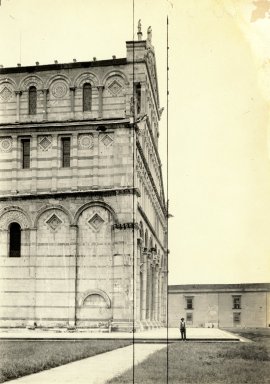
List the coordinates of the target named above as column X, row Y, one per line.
column 149, row 34
column 139, row 26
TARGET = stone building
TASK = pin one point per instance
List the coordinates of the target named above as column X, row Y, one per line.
column 82, row 210
column 219, row 305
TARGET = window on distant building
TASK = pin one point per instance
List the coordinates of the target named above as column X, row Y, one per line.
column 32, row 100
column 236, row 318
column 65, row 152
column 87, row 97
column 14, row 240
column 236, row 302
column 25, row 153
column 189, row 302
column 189, row 318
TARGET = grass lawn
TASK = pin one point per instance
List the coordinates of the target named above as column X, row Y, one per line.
column 19, row 358
column 206, row 363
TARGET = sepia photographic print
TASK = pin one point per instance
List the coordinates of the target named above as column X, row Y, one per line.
column 135, row 191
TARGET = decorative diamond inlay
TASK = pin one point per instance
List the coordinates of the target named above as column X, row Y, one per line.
column 107, row 140
column 114, row 87
column 96, row 222
column 5, row 94
column 54, row 222
column 45, row 143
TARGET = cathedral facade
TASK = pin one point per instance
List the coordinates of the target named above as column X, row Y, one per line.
column 83, row 219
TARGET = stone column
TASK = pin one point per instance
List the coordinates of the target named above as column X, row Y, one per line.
column 100, row 100
column 74, row 160
column 159, row 294
column 45, row 112
column 14, row 164
column 155, row 306
column 34, row 163
column 149, row 287
column 144, row 286
column 72, row 101
column 138, row 278
column 95, row 159
column 33, row 263
column 73, row 275
column 18, row 94
column 4, row 241
column 56, row 153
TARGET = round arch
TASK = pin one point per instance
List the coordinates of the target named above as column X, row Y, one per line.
column 49, row 208
column 115, row 73
column 11, row 82
column 15, row 214
column 90, row 292
column 29, row 81
column 93, row 204
column 86, row 77
column 57, row 77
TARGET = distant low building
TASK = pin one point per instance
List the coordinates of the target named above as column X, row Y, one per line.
column 220, row 305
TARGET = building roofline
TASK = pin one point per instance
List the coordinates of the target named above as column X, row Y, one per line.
column 216, row 287
column 51, row 67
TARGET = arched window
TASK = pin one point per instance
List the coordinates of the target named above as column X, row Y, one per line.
column 87, row 97
column 32, row 100
column 14, row 240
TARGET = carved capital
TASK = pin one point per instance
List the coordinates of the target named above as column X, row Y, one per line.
column 139, row 241
column 130, row 225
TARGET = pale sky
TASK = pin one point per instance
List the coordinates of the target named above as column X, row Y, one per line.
column 219, row 167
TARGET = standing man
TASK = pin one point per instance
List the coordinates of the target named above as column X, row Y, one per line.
column 183, row 329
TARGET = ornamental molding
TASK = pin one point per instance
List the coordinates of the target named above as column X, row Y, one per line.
column 45, row 142
column 114, row 87
column 12, row 214
column 87, row 77
column 31, row 81
column 5, row 144
column 83, row 296
column 115, row 74
column 96, row 222
column 92, row 194
column 59, row 89
column 6, row 92
column 106, row 139
column 123, row 226
column 54, row 222
column 86, row 141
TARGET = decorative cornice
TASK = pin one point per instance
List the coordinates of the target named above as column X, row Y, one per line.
column 64, row 66
column 90, row 123
column 94, row 193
